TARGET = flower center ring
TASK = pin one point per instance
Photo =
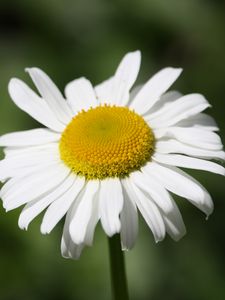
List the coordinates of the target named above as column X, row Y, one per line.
column 106, row 141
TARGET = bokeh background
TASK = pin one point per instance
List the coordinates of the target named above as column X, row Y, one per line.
column 69, row 39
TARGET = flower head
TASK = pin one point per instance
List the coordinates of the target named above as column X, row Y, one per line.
column 107, row 152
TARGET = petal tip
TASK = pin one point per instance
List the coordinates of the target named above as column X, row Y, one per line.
column 12, row 82
column 22, row 226
column 76, row 238
column 30, row 69
column 180, row 235
column 135, row 52
column 44, row 229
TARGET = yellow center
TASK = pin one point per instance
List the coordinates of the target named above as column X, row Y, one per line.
column 106, row 141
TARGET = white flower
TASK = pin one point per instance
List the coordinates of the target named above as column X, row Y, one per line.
column 107, row 153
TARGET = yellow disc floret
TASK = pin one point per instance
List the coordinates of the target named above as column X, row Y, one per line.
column 106, row 141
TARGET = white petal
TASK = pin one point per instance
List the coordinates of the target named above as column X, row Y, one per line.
column 129, row 222
column 51, row 95
column 14, row 167
column 134, row 92
column 80, row 95
column 153, row 89
column 103, row 90
column 35, row 207
column 173, row 181
column 19, row 165
column 68, row 248
column 192, row 136
column 165, row 101
column 59, row 208
column 9, row 184
column 82, row 214
column 206, row 205
column 110, row 205
column 200, row 120
column 14, row 184
column 177, row 110
column 95, row 216
column 181, row 184
column 116, row 90
column 174, row 223
column 173, row 146
column 52, row 148
column 25, row 171
column 29, row 156
column 36, row 107
column 29, row 137
column 188, row 162
column 32, row 186
column 27, row 161
column 125, row 77
column 168, row 208
column 153, row 188
column 148, row 209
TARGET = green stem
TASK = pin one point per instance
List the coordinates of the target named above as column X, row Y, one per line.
column 118, row 274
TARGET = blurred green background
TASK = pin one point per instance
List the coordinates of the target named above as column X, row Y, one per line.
column 69, row 39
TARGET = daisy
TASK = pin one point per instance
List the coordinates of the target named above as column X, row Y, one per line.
column 106, row 153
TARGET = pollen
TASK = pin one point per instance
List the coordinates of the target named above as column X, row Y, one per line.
column 106, row 141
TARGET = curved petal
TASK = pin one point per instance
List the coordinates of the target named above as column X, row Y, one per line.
column 168, row 208
column 18, row 165
column 179, row 183
column 173, row 146
column 174, row 223
column 80, row 95
column 177, row 110
column 33, row 105
column 68, row 248
column 110, row 205
column 116, row 90
column 125, row 76
column 59, row 208
column 153, row 89
column 52, row 148
column 82, row 215
column 29, row 138
column 25, row 171
column 188, row 162
column 201, row 120
column 153, row 188
column 23, row 156
column 33, row 186
column 51, row 94
column 165, row 100
column 103, row 90
column 129, row 222
column 95, row 216
column 148, row 209
column 196, row 137
column 134, row 92
column 33, row 208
